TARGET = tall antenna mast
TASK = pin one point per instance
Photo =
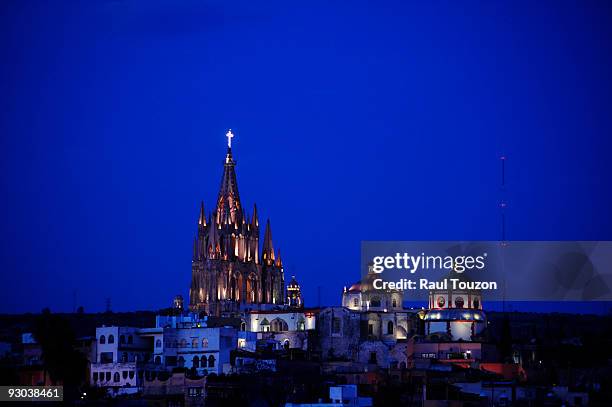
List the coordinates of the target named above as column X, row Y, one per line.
column 502, row 206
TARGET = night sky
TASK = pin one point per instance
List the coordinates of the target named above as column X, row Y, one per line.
column 353, row 121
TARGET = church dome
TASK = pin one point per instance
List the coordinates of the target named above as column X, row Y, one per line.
column 355, row 287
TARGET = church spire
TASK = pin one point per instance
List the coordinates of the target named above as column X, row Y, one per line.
column 268, row 247
column 279, row 261
column 255, row 219
column 229, row 207
column 202, row 217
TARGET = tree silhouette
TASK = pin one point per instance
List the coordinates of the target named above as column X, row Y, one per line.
column 61, row 360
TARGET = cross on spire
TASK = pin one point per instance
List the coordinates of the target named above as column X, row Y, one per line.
column 229, row 136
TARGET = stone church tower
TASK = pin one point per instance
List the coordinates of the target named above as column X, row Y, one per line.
column 229, row 273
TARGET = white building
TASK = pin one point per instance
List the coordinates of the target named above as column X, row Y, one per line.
column 120, row 355
column 280, row 329
column 207, row 350
column 281, row 321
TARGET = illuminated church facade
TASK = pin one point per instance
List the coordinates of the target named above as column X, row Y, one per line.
column 229, row 272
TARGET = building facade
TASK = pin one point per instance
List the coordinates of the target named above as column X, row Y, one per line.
column 229, row 273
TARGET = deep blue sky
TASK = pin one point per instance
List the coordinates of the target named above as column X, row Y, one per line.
column 353, row 121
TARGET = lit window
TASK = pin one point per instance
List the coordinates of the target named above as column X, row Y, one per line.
column 476, row 303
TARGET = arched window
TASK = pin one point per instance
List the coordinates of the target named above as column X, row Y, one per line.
column 286, row 344
column 122, row 339
column 158, row 343
column 204, row 343
column 131, row 374
column 204, row 361
column 211, row 361
column 194, row 343
column 243, row 326
column 394, row 303
column 130, row 340
column 124, row 374
column 459, row 302
column 158, row 360
column 111, row 339
column 279, row 325
column 183, row 343
column 116, row 377
column 102, row 339
column 441, row 302
column 390, row 328
column 196, row 362
column 181, row 361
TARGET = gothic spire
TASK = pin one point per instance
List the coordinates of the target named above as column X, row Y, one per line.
column 228, row 202
column 268, row 247
column 279, row 261
column 202, row 217
column 255, row 219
